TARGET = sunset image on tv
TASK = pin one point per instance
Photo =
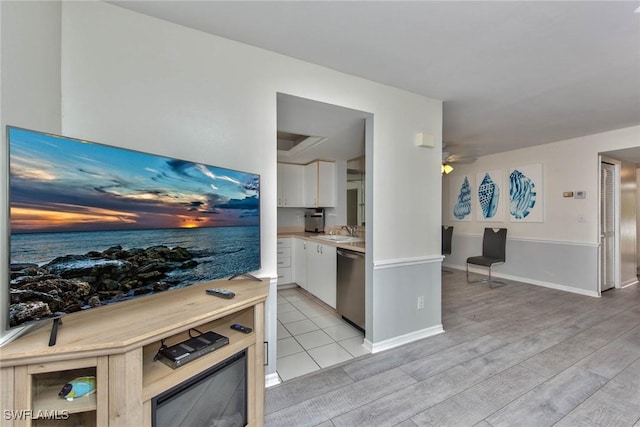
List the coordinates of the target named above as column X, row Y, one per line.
column 93, row 224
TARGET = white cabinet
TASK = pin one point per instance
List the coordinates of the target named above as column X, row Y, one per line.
column 320, row 185
column 299, row 261
column 284, row 261
column 321, row 272
column 290, row 185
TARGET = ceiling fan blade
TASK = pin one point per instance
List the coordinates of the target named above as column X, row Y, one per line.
column 456, row 158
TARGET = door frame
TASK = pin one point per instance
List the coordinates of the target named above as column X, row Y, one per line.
column 616, row 221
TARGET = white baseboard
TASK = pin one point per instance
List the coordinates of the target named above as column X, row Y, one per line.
column 402, row 339
column 271, row 379
column 629, row 283
column 527, row 280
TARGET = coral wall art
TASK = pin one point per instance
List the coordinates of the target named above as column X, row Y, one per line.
column 460, row 198
column 490, row 200
column 526, row 194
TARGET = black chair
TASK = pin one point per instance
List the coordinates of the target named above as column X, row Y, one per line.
column 447, row 234
column 493, row 252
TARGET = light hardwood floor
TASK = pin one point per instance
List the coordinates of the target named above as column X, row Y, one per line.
column 515, row 355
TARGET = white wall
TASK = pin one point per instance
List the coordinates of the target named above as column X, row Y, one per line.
column 30, row 93
column 562, row 251
column 138, row 82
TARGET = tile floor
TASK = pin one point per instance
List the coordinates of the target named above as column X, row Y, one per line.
column 311, row 335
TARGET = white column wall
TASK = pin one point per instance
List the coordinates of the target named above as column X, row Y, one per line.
column 142, row 83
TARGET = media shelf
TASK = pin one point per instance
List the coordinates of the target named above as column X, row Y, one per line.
column 117, row 344
column 46, row 387
column 158, row 377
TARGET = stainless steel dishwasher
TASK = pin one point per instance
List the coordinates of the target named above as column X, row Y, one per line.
column 350, row 287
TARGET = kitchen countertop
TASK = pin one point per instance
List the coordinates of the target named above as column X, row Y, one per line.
column 354, row 246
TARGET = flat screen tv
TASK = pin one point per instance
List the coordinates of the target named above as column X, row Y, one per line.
column 92, row 224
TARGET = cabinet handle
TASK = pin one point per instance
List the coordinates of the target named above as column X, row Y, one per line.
column 304, row 245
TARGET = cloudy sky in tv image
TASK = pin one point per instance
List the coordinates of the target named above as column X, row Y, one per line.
column 62, row 184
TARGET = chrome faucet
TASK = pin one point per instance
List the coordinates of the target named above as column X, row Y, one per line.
column 351, row 229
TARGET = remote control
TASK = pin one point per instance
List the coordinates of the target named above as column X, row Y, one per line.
column 241, row 328
column 222, row 293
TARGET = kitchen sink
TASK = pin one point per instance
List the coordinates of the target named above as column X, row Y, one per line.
column 339, row 238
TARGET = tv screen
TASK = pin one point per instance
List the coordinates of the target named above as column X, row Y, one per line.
column 92, row 225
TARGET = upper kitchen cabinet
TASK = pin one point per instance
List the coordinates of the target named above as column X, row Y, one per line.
column 320, row 184
column 291, row 185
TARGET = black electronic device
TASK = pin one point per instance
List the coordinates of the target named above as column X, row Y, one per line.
column 186, row 351
column 241, row 328
column 222, row 293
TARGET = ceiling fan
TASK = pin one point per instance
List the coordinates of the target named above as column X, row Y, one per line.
column 448, row 159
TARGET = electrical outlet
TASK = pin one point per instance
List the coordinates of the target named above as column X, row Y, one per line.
column 420, row 302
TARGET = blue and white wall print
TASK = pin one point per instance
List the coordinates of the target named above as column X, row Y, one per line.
column 526, row 194
column 460, row 197
column 490, row 200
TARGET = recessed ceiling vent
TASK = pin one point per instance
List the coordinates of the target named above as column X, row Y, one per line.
column 291, row 144
column 286, row 140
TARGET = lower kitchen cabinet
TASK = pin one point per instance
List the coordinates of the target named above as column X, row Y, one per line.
column 321, row 272
column 284, row 261
column 299, row 261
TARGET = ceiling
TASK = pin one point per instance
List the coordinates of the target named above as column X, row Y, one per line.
column 342, row 127
column 511, row 74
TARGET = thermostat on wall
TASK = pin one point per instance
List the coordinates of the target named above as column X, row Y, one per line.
column 580, row 195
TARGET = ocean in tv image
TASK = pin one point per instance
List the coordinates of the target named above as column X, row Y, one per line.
column 92, row 225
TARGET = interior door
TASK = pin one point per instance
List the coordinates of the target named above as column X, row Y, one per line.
column 607, row 226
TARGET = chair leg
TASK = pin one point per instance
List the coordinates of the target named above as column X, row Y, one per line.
column 473, row 281
column 491, row 282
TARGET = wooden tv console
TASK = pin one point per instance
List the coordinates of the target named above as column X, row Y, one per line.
column 117, row 344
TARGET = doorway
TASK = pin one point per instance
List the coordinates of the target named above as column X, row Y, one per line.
column 609, row 214
column 310, row 335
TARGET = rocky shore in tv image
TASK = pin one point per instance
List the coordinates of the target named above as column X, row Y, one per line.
column 73, row 282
